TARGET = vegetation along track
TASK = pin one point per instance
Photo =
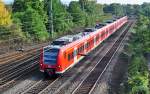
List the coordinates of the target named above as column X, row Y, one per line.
column 88, row 84
column 71, row 74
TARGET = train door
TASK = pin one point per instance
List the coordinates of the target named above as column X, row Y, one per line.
column 85, row 47
column 106, row 33
column 75, row 54
column 108, row 30
column 114, row 26
column 94, row 41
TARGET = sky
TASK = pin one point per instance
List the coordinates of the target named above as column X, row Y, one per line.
column 102, row 1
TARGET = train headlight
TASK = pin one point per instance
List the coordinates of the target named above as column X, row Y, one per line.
column 59, row 66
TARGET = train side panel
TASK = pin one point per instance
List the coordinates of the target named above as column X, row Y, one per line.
column 86, row 46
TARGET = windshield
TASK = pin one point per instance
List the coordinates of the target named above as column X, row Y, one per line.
column 88, row 30
column 50, row 56
column 59, row 42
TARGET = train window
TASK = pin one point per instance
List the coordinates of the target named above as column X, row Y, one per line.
column 86, row 45
column 97, row 37
column 82, row 48
column 75, row 52
column 92, row 41
column 72, row 55
column 78, row 51
column 64, row 54
column 69, row 57
column 50, row 55
column 102, row 34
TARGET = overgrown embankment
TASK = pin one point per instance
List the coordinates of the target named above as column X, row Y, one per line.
column 136, row 51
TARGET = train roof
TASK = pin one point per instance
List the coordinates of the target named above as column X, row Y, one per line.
column 65, row 40
column 58, row 43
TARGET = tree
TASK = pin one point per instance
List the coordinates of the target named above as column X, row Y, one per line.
column 60, row 17
column 5, row 16
column 115, row 9
column 33, row 25
column 93, row 11
column 77, row 14
column 145, row 9
column 19, row 6
column 38, row 5
column 31, row 17
column 138, row 74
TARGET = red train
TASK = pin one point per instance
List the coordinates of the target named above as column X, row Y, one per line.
column 66, row 51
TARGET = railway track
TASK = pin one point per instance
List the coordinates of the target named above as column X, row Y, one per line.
column 89, row 83
column 17, row 67
column 17, row 79
column 12, row 72
column 16, row 56
column 17, row 63
column 40, row 84
column 10, row 76
column 9, row 73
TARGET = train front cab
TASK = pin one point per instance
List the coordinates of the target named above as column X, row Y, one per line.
column 48, row 60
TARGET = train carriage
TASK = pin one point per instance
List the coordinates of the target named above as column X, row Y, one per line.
column 66, row 51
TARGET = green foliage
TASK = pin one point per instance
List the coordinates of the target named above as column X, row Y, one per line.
column 138, row 74
column 137, row 66
column 115, row 9
column 77, row 14
column 143, row 33
column 61, row 18
column 19, row 6
column 31, row 18
column 4, row 32
column 145, row 9
column 33, row 25
column 140, row 90
column 131, row 9
column 93, row 11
